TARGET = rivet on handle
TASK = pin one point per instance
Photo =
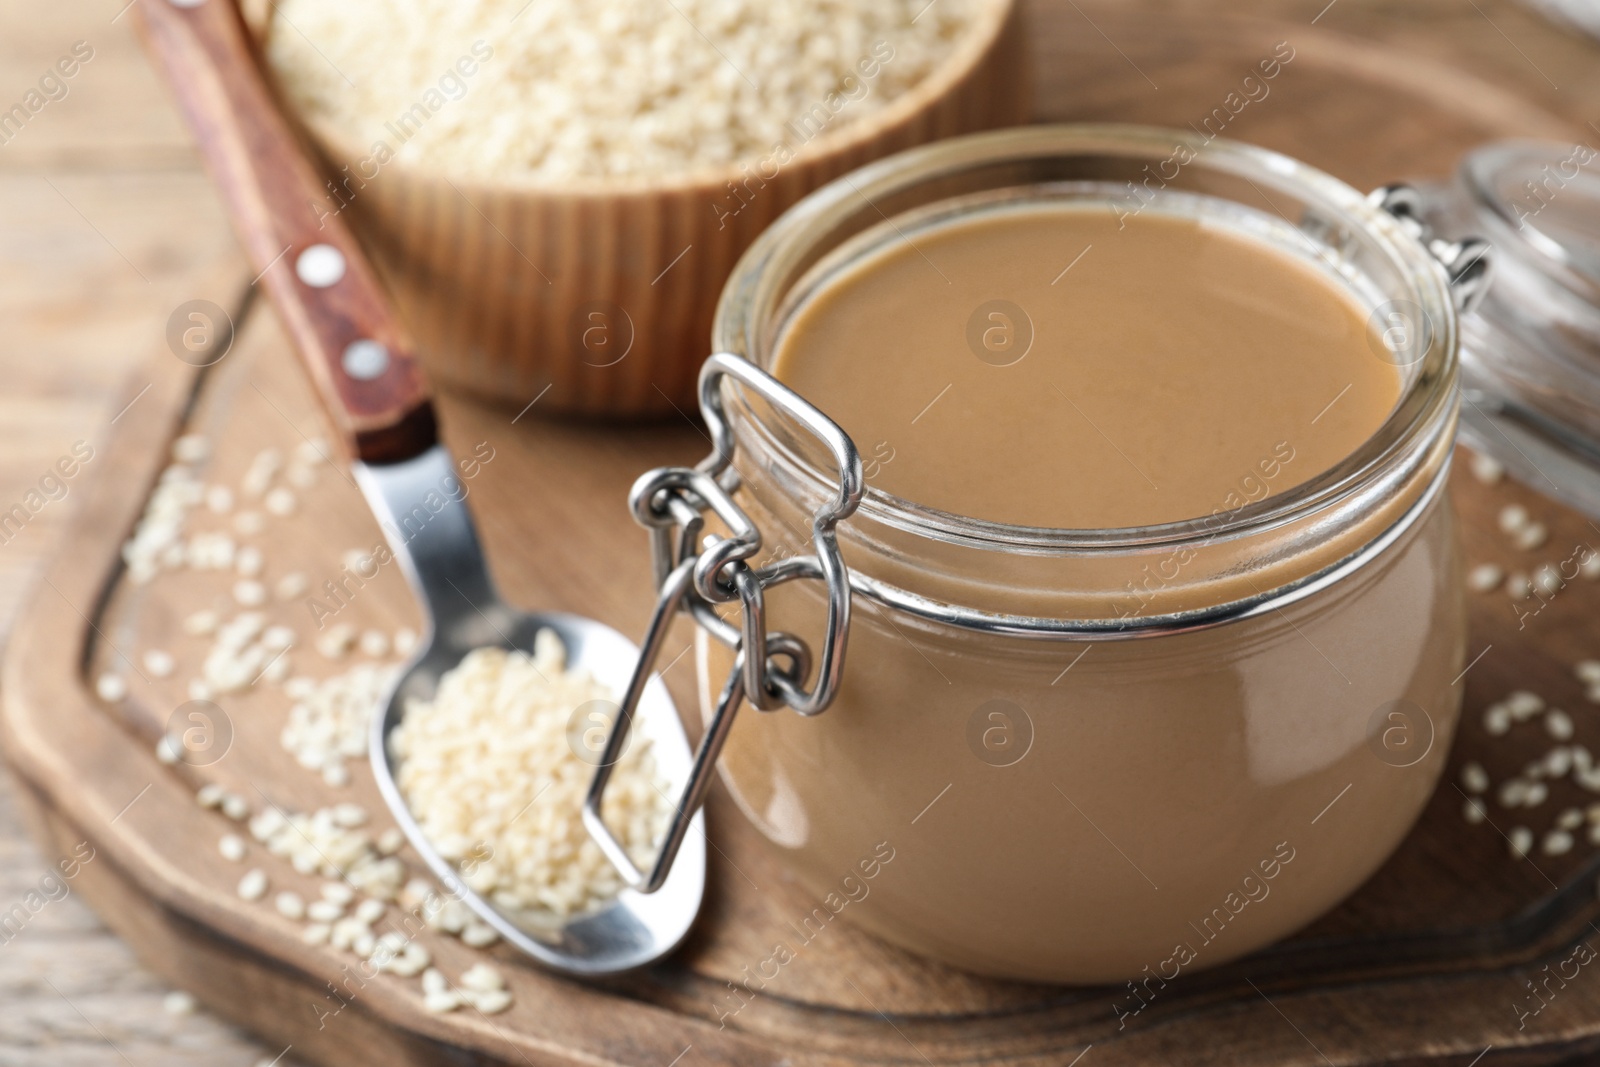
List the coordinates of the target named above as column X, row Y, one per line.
column 320, row 266
column 365, row 360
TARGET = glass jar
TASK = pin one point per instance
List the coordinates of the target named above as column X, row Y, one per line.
column 1073, row 755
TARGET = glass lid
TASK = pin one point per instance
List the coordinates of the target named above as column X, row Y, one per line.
column 1531, row 349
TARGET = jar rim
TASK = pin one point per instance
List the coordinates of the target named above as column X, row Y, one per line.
column 1425, row 406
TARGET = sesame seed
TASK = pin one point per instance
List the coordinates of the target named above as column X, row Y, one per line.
column 110, row 688
column 1524, row 705
column 280, row 501
column 249, row 561
column 1497, row 719
column 290, row 905
column 1531, row 536
column 1547, row 580
column 253, row 886
column 201, row 624
column 178, row 1003
column 1513, row 517
column 190, row 448
column 1486, row 468
column 1485, row 577
column 291, row 585
column 249, row 593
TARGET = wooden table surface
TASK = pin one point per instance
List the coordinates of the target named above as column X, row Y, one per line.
column 107, row 224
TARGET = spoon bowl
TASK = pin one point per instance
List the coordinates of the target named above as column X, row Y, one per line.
column 440, row 555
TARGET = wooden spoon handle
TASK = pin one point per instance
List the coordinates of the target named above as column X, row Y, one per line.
column 334, row 307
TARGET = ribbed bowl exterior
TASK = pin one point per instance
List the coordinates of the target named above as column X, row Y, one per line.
column 600, row 303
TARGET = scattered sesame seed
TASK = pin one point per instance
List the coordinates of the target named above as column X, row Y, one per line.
column 201, row 624
column 1557, row 842
column 290, row 905
column 1589, row 565
column 1474, row 779
column 249, row 593
column 493, row 1002
column 1519, row 586
column 335, row 642
column 325, row 911
column 482, row 978
column 1558, row 724
column 1513, row 517
column 253, row 886
column 232, row 847
column 159, row 663
column 1485, row 577
column 236, row 807
column 1558, row 761
column 278, row 638
column 219, row 499
column 291, row 585
column 1524, row 705
column 1531, row 536
column 311, row 451
column 1570, row 819
column 315, row 933
column 258, row 478
column 1547, row 580
column 110, row 688
column 338, row 892
column 280, row 501
column 178, row 1002
column 405, row 641
column 190, row 448
column 440, row 1003
column 1520, row 841
column 249, row 561
column 1497, row 719
column 374, row 643
column 1537, row 793
column 1588, row 671
column 1486, row 468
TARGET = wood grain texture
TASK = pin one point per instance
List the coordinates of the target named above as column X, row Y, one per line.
column 272, row 192
column 128, row 204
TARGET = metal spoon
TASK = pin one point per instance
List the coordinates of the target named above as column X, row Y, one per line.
column 360, row 358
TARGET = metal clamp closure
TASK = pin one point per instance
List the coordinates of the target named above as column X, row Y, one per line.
column 695, row 572
column 1466, row 262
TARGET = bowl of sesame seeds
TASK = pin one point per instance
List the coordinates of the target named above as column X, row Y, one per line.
column 556, row 194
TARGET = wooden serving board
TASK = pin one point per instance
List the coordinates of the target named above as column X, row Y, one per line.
column 1427, row 962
